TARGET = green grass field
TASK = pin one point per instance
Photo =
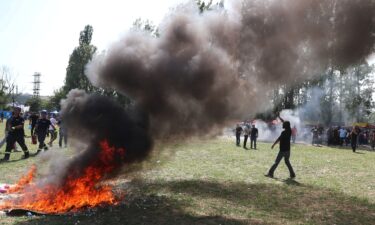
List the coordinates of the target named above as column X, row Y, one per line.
column 215, row 182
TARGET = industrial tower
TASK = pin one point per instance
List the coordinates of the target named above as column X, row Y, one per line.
column 36, row 82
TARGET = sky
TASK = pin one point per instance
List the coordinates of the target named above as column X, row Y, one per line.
column 39, row 35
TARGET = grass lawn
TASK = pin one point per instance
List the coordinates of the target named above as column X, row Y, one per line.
column 215, row 182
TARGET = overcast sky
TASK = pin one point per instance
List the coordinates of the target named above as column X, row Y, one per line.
column 39, row 35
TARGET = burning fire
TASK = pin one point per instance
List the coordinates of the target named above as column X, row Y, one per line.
column 74, row 194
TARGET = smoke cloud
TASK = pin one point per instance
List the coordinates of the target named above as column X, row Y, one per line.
column 209, row 68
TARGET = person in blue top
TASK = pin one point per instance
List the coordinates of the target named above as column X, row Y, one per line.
column 284, row 152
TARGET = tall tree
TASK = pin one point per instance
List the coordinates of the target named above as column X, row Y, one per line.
column 8, row 87
column 75, row 72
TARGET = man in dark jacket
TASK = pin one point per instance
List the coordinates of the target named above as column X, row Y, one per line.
column 284, row 152
column 238, row 134
column 41, row 129
column 16, row 134
column 253, row 137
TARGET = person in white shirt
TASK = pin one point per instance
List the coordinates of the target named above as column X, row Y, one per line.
column 52, row 130
column 246, row 135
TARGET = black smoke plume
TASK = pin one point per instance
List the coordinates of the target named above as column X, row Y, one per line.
column 94, row 118
column 208, row 68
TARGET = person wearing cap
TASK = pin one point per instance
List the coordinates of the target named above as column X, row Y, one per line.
column 16, row 134
column 41, row 129
column 284, row 152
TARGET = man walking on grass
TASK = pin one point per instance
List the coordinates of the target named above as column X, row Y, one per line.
column 284, row 152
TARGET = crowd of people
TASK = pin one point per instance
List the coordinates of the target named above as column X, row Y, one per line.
column 345, row 136
column 352, row 136
column 41, row 125
column 248, row 132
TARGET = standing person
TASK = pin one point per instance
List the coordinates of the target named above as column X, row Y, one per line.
column 372, row 139
column 294, row 134
column 41, row 129
column 238, row 134
column 342, row 135
column 16, row 134
column 284, row 152
column 253, row 137
column 246, row 135
column 6, row 130
column 52, row 130
column 63, row 134
column 354, row 136
column 315, row 134
column 32, row 121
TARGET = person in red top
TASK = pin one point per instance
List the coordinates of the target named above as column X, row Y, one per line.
column 294, row 134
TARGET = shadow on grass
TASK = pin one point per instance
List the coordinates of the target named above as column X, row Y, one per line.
column 147, row 209
column 294, row 202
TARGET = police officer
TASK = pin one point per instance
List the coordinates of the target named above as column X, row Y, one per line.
column 16, row 134
column 41, row 129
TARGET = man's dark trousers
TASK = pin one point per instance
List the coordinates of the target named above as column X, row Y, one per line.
column 253, row 140
column 286, row 155
column 11, row 140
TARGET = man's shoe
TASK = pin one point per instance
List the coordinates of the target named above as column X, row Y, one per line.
column 292, row 177
column 268, row 175
column 5, row 159
column 27, row 155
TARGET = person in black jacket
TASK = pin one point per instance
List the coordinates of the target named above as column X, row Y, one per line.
column 16, row 133
column 284, row 152
column 41, row 129
column 238, row 132
column 253, row 137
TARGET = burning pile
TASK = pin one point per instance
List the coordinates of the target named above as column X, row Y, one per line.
column 74, row 194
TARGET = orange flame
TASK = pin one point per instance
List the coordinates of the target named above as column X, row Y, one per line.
column 76, row 192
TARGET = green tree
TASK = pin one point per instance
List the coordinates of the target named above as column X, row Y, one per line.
column 147, row 26
column 75, row 72
column 358, row 91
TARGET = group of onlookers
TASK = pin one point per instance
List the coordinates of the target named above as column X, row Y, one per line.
column 354, row 136
column 41, row 125
column 248, row 132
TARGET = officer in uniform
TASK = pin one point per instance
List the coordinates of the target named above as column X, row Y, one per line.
column 16, row 134
column 41, row 129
